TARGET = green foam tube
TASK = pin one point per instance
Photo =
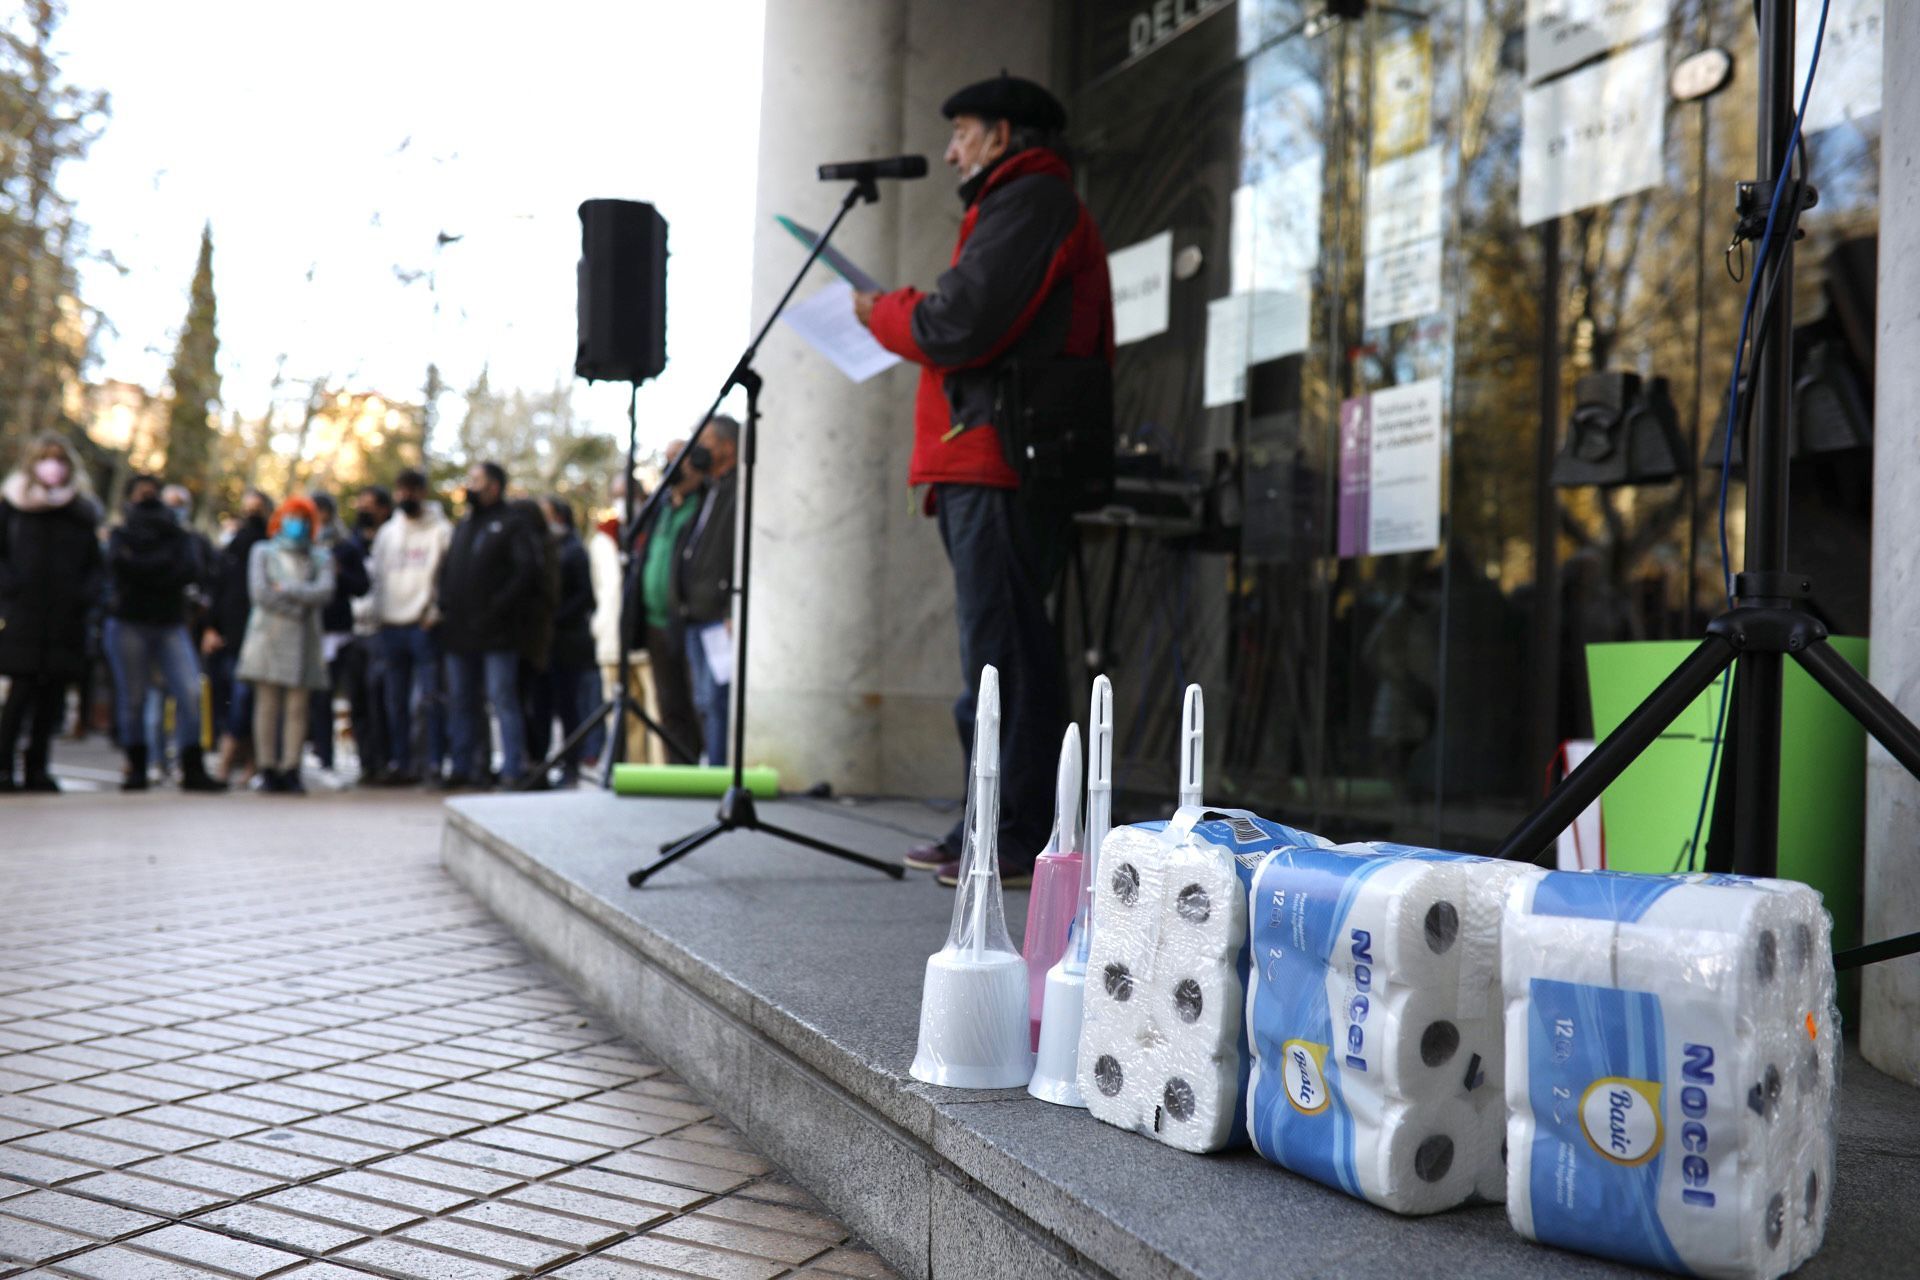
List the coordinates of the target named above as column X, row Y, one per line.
column 691, row 780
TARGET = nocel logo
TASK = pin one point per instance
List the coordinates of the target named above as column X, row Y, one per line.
column 1303, row 1070
column 1622, row 1119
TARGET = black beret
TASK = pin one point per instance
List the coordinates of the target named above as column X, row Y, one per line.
column 1009, row 98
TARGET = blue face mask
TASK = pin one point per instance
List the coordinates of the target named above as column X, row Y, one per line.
column 294, row 529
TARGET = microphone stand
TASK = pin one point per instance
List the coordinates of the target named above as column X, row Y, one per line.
column 737, row 811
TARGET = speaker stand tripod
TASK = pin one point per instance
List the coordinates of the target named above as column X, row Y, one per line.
column 1767, row 623
column 737, row 811
column 621, row 703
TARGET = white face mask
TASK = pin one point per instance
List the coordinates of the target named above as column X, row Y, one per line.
column 52, row 472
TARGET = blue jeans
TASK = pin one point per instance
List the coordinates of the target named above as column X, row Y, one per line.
column 155, row 716
column 232, row 699
column 591, row 693
column 474, row 679
column 560, row 691
column 410, row 673
column 710, row 698
column 134, row 650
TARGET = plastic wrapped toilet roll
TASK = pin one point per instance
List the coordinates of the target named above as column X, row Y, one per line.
column 1163, row 1037
column 1671, row 1044
column 1365, row 1045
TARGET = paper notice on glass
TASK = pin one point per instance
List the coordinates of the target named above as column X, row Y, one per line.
column 1226, row 371
column 1402, row 93
column 1565, row 33
column 835, row 259
column 1275, row 241
column 1402, row 284
column 1276, row 324
column 1595, row 135
column 1850, row 58
column 1403, row 201
column 716, row 642
column 827, row 323
column 1141, row 276
column 1403, row 493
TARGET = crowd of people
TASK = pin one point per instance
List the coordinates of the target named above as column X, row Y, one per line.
column 456, row 648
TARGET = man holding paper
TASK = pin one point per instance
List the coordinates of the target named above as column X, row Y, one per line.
column 1024, row 314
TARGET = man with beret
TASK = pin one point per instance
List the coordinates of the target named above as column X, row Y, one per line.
column 1026, row 297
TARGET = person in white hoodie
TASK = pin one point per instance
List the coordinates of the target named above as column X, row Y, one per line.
column 406, row 562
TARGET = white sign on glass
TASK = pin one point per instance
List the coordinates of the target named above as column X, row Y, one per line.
column 1565, row 33
column 1403, row 201
column 1141, row 275
column 1848, row 85
column 1403, row 284
column 1403, row 511
column 1595, row 135
column 1226, row 366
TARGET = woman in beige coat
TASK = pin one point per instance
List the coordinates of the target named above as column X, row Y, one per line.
column 289, row 581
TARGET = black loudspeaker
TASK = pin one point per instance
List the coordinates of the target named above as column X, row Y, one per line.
column 1623, row 431
column 623, row 292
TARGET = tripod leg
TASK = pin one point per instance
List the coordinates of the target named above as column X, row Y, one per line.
column 1864, row 703
column 672, row 853
column 561, row 752
column 659, row 730
column 892, row 869
column 1534, row 836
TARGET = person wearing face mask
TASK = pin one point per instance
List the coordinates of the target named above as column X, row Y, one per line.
column 703, row 584
column 290, row 580
column 653, row 612
column 228, row 610
column 1024, row 315
column 350, row 582
column 561, row 689
column 178, row 500
column 407, row 553
column 151, row 568
column 360, row 667
column 490, row 583
column 49, row 576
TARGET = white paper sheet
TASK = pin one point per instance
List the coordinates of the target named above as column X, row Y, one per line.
column 1595, row 135
column 1403, row 512
column 1403, row 284
column 1403, row 201
column 1564, row 33
column 1848, row 87
column 1226, row 371
column 717, row 643
column 1142, row 276
column 827, row 324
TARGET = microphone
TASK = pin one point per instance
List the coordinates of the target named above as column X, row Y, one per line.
column 868, row 170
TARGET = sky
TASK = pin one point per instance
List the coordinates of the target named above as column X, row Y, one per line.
column 330, row 145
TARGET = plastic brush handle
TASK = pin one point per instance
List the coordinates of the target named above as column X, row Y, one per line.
column 986, row 809
column 1193, row 746
column 1066, row 794
column 1099, row 809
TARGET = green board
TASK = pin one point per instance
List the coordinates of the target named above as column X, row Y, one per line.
column 691, row 780
column 1649, row 812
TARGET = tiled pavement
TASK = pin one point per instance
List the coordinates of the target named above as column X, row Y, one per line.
column 242, row 1036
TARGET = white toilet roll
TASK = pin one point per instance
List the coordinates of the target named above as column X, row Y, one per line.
column 1423, row 1158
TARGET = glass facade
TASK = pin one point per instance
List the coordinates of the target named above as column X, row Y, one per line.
column 1372, row 262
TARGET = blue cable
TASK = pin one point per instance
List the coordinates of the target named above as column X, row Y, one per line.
column 1781, row 182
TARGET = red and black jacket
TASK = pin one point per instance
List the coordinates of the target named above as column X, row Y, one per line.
column 1028, row 280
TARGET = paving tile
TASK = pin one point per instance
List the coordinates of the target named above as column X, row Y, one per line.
column 324, row 1271
column 560, row 1150
column 677, row 1172
column 82, row 1148
column 355, row 1130
column 629, row 1215
column 701, row 1153
column 258, row 1222
column 480, row 1182
column 740, row 1238
column 197, row 1120
column 346, row 1210
column 117, row 1262
column 758, row 1213
column 30, row 1166
column 34, row 1242
column 140, row 1132
column 424, row 1122
column 622, row 1186
column 416, row 1262
column 558, row 1228
column 202, row 1176
column 282, row 1166
column 76, row 1214
column 602, row 1267
column 855, row 1264
column 215, row 1251
column 139, row 1192
column 483, row 1243
column 497, row 1158
column 695, row 1259
column 396, row 1191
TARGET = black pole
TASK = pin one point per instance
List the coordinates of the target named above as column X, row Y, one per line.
column 617, row 748
column 1756, row 825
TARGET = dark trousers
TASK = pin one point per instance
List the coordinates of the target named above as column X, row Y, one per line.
column 673, row 690
column 357, row 672
column 1005, row 557
column 36, row 702
column 559, row 691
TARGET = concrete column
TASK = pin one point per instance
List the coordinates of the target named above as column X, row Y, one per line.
column 1890, row 995
column 855, row 660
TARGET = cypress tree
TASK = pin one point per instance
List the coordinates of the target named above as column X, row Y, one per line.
column 195, row 380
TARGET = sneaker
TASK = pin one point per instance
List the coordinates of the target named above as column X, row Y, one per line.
column 929, row 857
column 1011, row 875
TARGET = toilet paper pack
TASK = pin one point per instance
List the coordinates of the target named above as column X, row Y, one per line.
column 1672, row 1046
column 1163, row 1047
column 1374, row 1070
